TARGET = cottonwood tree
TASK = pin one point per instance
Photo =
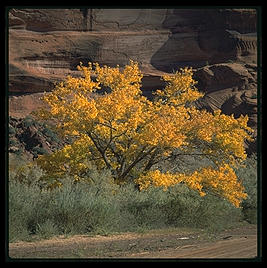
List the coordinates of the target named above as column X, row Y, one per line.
column 123, row 131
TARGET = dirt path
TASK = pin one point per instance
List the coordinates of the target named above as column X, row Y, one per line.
column 240, row 247
column 169, row 243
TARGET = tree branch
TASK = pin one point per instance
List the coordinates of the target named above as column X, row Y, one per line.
column 139, row 157
column 102, row 152
column 151, row 160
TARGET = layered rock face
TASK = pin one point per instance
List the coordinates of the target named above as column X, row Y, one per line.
column 45, row 45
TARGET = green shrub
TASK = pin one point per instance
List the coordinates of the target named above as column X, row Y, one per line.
column 248, row 175
column 18, row 152
column 13, row 142
column 22, row 203
column 184, row 207
column 77, row 209
column 11, row 130
column 26, row 174
column 47, row 229
column 98, row 206
column 74, row 208
column 51, row 135
column 39, row 150
column 15, row 162
column 141, row 210
column 28, row 121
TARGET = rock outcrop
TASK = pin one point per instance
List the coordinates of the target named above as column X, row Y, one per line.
column 231, row 87
column 30, row 138
column 45, row 45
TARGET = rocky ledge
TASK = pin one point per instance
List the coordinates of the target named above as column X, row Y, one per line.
column 45, row 45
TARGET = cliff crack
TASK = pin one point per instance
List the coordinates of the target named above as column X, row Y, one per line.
column 85, row 19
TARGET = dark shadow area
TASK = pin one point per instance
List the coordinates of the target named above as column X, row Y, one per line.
column 202, row 37
column 176, row 51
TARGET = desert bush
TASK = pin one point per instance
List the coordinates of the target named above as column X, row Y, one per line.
column 186, row 208
column 74, row 208
column 47, row 229
column 141, row 210
column 28, row 121
column 104, row 207
column 38, row 150
column 50, row 134
column 14, row 163
column 81, row 208
column 248, row 175
column 11, row 130
column 27, row 173
column 22, row 199
column 13, row 142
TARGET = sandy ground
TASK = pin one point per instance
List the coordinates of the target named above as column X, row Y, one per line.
column 157, row 244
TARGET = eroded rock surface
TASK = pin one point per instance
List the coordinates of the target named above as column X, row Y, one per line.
column 45, row 45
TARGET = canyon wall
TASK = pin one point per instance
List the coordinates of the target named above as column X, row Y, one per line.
column 45, row 45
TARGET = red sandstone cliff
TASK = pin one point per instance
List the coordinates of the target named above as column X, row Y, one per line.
column 45, row 45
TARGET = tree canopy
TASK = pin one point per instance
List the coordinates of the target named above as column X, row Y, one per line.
column 125, row 132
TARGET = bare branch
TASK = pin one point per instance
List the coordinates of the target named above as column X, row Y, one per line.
column 139, row 157
column 151, row 161
column 100, row 150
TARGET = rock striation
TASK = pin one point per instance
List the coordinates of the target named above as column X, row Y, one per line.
column 45, row 45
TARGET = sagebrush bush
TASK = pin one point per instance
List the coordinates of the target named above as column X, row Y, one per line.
column 11, row 130
column 74, row 208
column 97, row 205
column 249, row 179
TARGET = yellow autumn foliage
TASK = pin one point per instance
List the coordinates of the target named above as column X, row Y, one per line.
column 123, row 131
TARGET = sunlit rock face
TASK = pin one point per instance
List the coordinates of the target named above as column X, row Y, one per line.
column 45, row 45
